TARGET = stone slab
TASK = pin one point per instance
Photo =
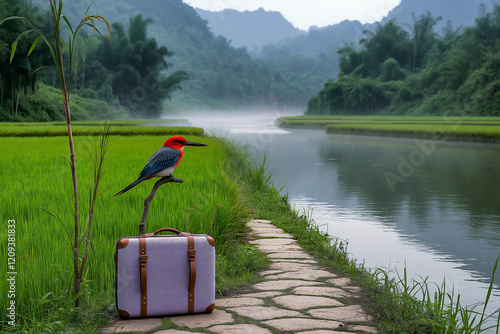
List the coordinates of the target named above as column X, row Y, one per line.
column 239, row 329
column 290, row 255
column 217, row 317
column 325, row 331
column 342, row 281
column 275, row 235
column 278, row 248
column 133, row 325
column 322, row 291
column 263, row 294
column 292, row 266
column 355, row 289
column 270, row 272
column 265, row 312
column 260, row 223
column 239, row 301
column 266, row 229
column 350, row 313
column 282, row 284
column 273, row 241
column 296, row 302
column 293, row 261
column 175, row 331
column 364, row 329
column 298, row 324
column 306, row 274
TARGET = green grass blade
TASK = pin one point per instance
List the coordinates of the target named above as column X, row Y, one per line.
column 68, row 24
column 34, row 45
column 13, row 50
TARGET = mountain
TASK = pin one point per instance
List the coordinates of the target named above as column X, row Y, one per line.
column 459, row 12
column 252, row 29
column 326, row 39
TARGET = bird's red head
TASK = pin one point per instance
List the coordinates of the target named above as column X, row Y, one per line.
column 179, row 142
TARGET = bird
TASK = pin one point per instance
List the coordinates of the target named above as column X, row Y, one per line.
column 163, row 162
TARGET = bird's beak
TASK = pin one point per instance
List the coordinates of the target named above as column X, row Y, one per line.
column 190, row 143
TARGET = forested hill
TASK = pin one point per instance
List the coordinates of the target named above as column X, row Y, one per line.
column 419, row 72
column 220, row 76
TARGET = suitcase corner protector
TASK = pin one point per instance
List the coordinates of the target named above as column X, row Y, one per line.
column 122, row 243
column 211, row 241
column 210, row 308
column 124, row 314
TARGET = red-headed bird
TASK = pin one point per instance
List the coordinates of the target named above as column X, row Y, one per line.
column 163, row 162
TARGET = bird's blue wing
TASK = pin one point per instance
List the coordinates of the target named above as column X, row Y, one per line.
column 165, row 157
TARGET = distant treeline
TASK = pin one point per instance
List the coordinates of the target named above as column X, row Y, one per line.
column 419, row 72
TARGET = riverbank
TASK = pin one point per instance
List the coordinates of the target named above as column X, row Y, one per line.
column 249, row 185
column 471, row 129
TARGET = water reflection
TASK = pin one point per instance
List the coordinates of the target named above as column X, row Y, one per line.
column 448, row 202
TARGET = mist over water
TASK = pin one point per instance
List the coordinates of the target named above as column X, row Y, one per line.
column 433, row 207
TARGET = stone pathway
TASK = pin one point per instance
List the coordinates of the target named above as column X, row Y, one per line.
column 295, row 296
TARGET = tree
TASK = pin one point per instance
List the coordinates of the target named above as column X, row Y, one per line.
column 16, row 75
column 424, row 37
column 139, row 79
column 62, row 53
column 388, row 41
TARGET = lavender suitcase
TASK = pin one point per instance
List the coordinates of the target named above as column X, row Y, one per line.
column 160, row 275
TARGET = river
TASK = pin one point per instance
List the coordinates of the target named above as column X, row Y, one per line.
column 430, row 206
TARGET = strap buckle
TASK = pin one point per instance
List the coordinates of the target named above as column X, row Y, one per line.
column 192, row 254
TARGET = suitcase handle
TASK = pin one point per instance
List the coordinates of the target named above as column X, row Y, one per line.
column 167, row 229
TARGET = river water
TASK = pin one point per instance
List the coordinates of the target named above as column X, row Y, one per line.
column 430, row 206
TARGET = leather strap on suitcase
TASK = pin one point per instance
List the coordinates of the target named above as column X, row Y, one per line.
column 192, row 272
column 143, row 268
column 144, row 277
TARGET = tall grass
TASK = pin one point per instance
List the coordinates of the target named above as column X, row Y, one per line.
column 419, row 306
column 35, row 177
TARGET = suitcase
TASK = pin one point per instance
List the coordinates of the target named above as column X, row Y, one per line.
column 158, row 275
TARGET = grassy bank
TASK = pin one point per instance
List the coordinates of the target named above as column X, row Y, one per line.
column 35, row 178
column 475, row 129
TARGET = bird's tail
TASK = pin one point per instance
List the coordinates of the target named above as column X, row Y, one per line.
column 130, row 186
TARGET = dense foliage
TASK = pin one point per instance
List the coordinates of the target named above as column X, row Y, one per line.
column 421, row 72
column 129, row 72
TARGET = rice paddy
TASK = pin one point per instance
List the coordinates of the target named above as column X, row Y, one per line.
column 477, row 129
column 85, row 128
column 35, row 178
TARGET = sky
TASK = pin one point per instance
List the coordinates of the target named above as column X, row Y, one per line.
column 306, row 13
